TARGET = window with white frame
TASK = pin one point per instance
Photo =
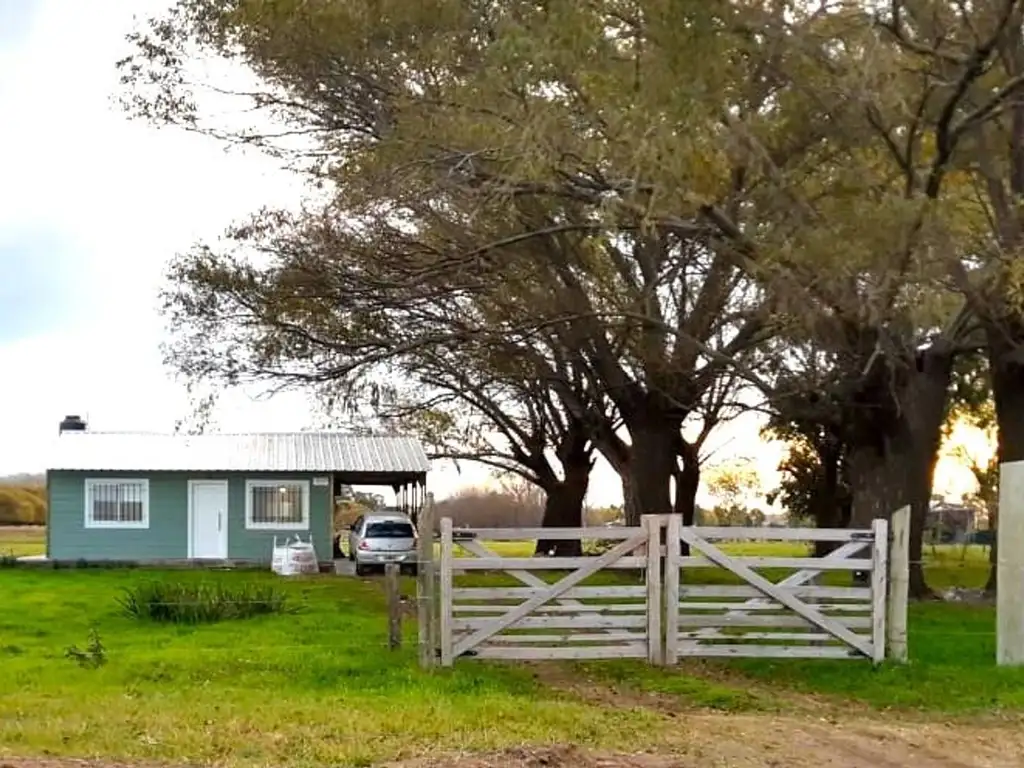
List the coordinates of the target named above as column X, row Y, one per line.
column 277, row 504
column 111, row 503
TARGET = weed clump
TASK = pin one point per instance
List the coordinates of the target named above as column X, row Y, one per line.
column 202, row 603
column 93, row 657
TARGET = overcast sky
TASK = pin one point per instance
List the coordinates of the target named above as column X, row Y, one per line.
column 92, row 207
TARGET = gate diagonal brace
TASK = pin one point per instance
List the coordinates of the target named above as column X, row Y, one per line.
column 717, row 556
column 558, row 588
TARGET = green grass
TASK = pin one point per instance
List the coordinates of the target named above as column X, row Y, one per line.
column 318, row 686
column 952, row 671
column 20, row 541
column 952, row 648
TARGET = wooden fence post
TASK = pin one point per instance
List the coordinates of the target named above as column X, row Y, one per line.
column 673, row 551
column 879, row 583
column 653, row 524
column 445, row 603
column 425, row 609
column 1010, row 566
column 899, row 585
column 394, row 605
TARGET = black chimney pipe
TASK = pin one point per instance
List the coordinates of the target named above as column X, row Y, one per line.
column 72, row 424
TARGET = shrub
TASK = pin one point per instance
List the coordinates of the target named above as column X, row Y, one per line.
column 201, row 603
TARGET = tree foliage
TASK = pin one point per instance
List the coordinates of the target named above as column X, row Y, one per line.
column 541, row 232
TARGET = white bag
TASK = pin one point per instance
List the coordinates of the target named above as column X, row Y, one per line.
column 294, row 557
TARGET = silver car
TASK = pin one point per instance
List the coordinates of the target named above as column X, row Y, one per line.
column 377, row 539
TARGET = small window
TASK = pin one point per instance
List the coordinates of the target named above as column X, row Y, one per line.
column 277, row 504
column 116, row 503
column 389, row 529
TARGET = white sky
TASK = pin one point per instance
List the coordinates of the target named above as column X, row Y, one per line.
column 92, row 207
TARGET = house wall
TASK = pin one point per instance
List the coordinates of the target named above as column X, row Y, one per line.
column 166, row 538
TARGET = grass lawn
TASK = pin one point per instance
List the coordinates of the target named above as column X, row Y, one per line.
column 320, row 686
column 952, row 671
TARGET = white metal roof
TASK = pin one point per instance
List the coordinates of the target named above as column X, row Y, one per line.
column 252, row 452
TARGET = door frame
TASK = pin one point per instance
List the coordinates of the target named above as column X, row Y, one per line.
column 191, row 510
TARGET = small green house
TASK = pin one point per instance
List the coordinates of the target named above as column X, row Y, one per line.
column 158, row 498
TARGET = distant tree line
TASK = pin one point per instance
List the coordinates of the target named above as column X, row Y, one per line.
column 23, row 504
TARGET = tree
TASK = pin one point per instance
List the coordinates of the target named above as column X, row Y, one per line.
column 814, row 488
column 891, row 364
column 633, row 253
column 734, row 484
column 468, row 404
column 510, row 171
column 979, row 48
column 950, row 52
column 492, row 508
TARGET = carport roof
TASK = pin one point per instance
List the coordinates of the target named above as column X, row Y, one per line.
column 335, row 452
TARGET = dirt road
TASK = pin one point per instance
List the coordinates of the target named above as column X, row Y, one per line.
column 756, row 741
column 719, row 740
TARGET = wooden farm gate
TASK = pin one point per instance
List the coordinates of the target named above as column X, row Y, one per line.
column 779, row 606
column 550, row 613
column 642, row 598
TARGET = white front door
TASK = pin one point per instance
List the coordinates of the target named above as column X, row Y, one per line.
column 208, row 519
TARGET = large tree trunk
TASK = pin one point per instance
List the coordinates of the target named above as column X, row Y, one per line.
column 563, row 508
column 992, row 582
column 828, row 512
column 630, row 510
column 687, row 480
column 926, row 410
column 878, row 480
column 900, row 471
column 652, row 465
column 1006, row 366
column 687, row 484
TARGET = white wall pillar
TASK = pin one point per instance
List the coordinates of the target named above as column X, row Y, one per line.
column 1010, row 566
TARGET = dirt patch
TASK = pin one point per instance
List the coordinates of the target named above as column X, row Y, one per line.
column 718, row 740
column 731, row 741
column 543, row 757
column 808, row 734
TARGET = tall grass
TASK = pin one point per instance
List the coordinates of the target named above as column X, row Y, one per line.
column 202, row 602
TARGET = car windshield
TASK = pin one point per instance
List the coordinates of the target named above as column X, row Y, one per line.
column 391, row 529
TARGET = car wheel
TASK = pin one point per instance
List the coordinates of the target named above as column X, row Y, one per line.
column 360, row 569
